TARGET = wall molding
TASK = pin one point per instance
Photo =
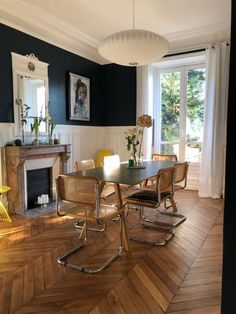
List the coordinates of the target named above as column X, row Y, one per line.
column 39, row 23
column 85, row 143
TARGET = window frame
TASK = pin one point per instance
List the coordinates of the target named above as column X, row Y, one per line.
column 183, row 66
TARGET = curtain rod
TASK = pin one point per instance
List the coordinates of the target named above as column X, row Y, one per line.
column 184, row 52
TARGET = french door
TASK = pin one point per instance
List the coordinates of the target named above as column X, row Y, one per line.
column 180, row 111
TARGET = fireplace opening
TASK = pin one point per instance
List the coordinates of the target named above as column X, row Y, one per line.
column 39, row 181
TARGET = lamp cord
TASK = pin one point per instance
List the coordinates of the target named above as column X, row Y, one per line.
column 133, row 14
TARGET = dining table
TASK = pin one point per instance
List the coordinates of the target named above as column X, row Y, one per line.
column 123, row 174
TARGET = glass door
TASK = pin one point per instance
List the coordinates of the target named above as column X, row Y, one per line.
column 181, row 110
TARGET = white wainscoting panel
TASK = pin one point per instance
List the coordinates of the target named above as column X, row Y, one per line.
column 85, row 142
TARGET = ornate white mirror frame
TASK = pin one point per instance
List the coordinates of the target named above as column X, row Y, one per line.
column 30, row 67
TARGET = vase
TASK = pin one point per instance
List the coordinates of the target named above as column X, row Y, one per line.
column 36, row 142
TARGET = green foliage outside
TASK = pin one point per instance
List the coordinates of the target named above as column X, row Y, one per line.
column 170, row 106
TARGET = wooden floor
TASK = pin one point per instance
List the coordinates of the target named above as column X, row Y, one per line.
column 182, row 277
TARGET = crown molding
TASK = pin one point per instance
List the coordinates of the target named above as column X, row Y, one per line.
column 199, row 36
column 40, row 24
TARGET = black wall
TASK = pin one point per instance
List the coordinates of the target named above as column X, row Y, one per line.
column 112, row 88
column 120, row 94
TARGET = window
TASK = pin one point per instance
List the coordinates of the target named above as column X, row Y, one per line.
column 179, row 113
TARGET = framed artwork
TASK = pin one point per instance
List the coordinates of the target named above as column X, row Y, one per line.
column 79, row 97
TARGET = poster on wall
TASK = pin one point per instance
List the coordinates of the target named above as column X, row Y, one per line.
column 79, row 97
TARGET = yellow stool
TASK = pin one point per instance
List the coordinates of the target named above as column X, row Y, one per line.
column 101, row 154
column 3, row 212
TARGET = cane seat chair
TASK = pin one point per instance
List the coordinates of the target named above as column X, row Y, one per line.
column 181, row 173
column 84, row 164
column 161, row 157
column 172, row 157
column 80, row 196
column 151, row 198
column 105, row 190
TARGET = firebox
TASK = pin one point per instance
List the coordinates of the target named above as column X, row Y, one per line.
column 39, row 181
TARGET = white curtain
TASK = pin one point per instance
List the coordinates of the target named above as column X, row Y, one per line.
column 145, row 104
column 211, row 181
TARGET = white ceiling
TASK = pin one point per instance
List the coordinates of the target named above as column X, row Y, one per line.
column 79, row 25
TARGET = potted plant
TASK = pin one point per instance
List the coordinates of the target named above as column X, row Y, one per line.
column 51, row 127
column 24, row 110
column 35, row 128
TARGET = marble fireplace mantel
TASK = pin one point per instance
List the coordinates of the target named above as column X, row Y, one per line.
column 15, row 161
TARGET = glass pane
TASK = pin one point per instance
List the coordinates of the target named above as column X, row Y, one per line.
column 193, row 152
column 195, row 113
column 170, row 149
column 170, row 105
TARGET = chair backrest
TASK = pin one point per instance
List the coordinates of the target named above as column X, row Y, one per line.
column 164, row 157
column 82, row 197
column 165, row 179
column 111, row 162
column 100, row 156
column 84, row 164
column 181, row 172
column 78, row 189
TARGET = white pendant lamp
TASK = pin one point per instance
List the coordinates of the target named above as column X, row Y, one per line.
column 133, row 47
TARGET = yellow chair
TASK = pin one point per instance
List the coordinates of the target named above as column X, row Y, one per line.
column 100, row 156
column 3, row 212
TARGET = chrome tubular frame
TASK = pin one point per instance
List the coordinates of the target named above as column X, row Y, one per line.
column 61, row 260
column 80, row 224
column 151, row 223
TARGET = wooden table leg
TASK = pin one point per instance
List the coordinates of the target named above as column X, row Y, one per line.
column 124, row 227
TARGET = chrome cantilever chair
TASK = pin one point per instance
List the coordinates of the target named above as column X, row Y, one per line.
column 172, row 157
column 151, row 197
column 105, row 190
column 79, row 166
column 81, row 198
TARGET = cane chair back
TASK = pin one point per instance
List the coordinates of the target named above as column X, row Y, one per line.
column 84, row 164
column 181, row 173
column 152, row 196
column 82, row 195
column 164, row 157
column 108, row 189
column 81, row 198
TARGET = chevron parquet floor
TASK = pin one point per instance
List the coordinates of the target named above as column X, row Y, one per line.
column 182, row 277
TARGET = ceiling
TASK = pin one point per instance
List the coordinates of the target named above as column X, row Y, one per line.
column 79, row 25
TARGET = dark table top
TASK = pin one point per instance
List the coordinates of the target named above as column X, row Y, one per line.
column 125, row 175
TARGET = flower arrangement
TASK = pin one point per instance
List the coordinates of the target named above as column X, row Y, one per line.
column 134, row 136
column 24, row 115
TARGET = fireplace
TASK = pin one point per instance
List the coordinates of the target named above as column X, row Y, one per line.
column 22, row 161
column 39, row 179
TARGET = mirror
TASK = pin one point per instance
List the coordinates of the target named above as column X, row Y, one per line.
column 30, row 87
column 32, row 92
